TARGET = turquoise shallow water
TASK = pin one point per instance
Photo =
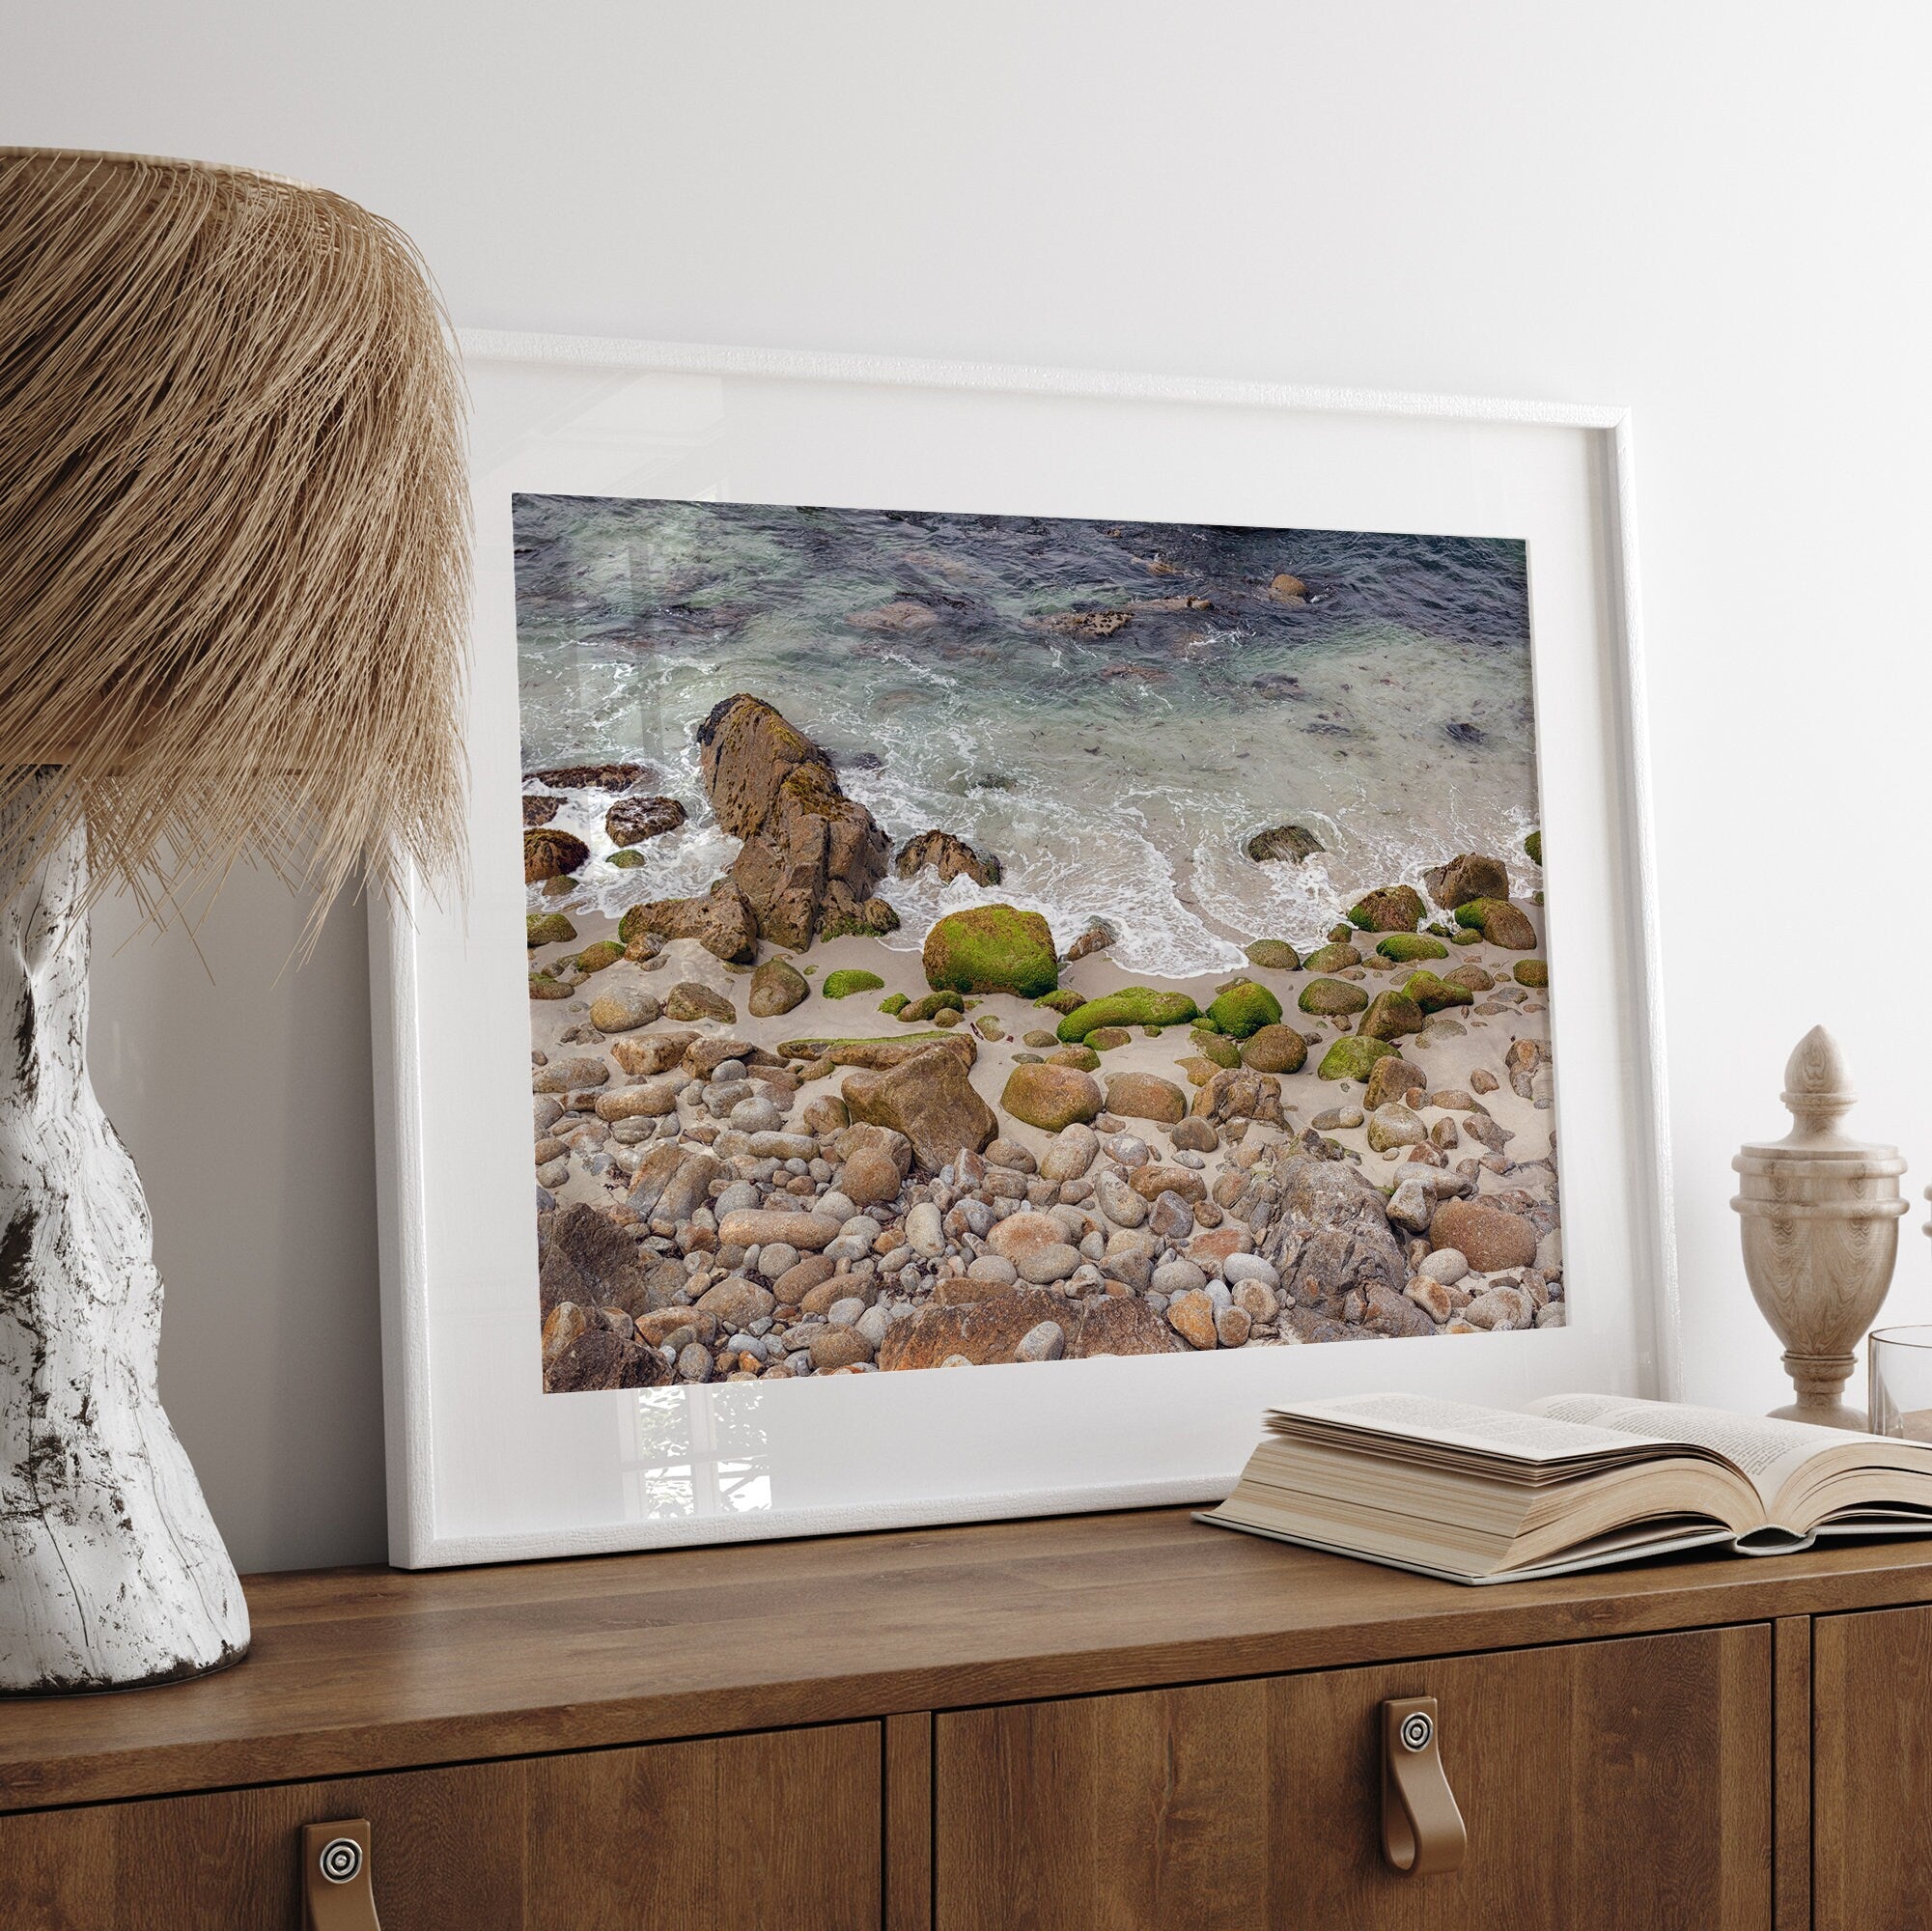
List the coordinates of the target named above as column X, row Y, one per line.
column 1118, row 768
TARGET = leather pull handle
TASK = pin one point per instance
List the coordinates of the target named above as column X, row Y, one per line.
column 1422, row 1829
column 336, row 1892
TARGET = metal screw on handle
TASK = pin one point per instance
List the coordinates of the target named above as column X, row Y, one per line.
column 336, row 1892
column 1422, row 1829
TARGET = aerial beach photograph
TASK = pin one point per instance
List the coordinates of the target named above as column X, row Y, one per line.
column 964, row 940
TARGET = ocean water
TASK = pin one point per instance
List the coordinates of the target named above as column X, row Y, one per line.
column 1117, row 768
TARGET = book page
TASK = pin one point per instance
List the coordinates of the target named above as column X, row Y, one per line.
column 1498, row 1430
column 1765, row 1451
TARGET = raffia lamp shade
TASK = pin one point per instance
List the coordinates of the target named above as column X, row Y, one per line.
column 233, row 581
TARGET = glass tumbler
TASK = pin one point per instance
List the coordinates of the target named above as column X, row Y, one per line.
column 1901, row 1381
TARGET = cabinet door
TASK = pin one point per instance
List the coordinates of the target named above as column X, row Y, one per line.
column 1871, row 1771
column 1608, row 1786
column 767, row 1832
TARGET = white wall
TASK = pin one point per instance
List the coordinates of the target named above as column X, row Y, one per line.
column 1716, row 213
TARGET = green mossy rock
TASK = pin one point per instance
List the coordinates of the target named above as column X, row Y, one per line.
column 1331, row 958
column 1274, row 955
column 920, row 1010
column 1331, row 998
column 1065, row 1000
column 1244, row 1008
column 627, row 858
column 595, row 958
column 1405, row 946
column 543, row 987
column 1500, row 922
column 870, row 921
column 1467, row 938
column 1390, row 1016
column 1353, row 1059
column 1533, row 845
column 1531, row 972
column 1084, row 1057
column 992, row 950
column 548, row 928
column 1434, row 995
column 851, row 979
column 1103, row 1039
column 1214, row 1045
column 1388, row 908
column 1052, row 1097
column 1131, row 1006
column 893, row 1002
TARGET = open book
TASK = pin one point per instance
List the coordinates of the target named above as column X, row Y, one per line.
column 1486, row 1494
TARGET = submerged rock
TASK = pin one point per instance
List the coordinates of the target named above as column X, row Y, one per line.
column 540, row 807
column 551, row 853
column 630, row 821
column 950, row 858
column 991, row 949
column 1291, row 843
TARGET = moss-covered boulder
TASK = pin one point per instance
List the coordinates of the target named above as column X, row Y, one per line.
column 1282, row 843
column 1353, row 1059
column 1500, row 922
column 543, row 987
column 1274, row 955
column 1275, row 1048
column 992, row 950
column 776, row 986
column 626, row 858
column 1533, row 845
column 849, row 979
column 893, row 1002
column 1434, row 995
column 548, row 928
column 1065, row 1001
column 1103, row 1039
column 1331, row 958
column 1050, row 1097
column 1531, row 972
column 922, row 1010
column 1388, row 908
column 1406, row 947
column 1083, row 1057
column 1390, row 1016
column 1131, row 1006
column 1477, row 978
column 1243, row 1008
column 1331, row 998
column 1223, row 1052
column 606, row 952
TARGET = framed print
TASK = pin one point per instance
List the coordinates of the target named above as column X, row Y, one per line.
column 1056, row 910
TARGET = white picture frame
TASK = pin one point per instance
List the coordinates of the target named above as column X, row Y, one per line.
column 482, row 1464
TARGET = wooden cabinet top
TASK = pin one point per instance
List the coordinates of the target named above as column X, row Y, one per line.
column 355, row 1670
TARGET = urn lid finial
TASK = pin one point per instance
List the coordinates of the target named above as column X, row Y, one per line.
column 1817, row 1087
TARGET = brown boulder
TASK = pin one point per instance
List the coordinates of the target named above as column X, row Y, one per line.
column 550, row 854
column 1330, row 1235
column 599, row 1359
column 1500, row 922
column 1239, row 1093
column 1273, row 1049
column 991, row 1330
column 722, row 922
column 632, row 819
column 583, row 1256
column 949, row 857
column 1390, row 1016
column 869, row 1177
column 810, row 853
column 540, row 807
column 1390, row 1080
column 656, row 1053
column 875, row 1055
column 591, row 777
column 1388, row 908
column 929, row 1100
column 1469, row 877
column 758, row 1227
column 1144, row 1096
column 1050, row 1097
column 1488, row 1236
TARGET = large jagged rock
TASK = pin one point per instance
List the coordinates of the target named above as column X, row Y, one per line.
column 1329, row 1235
column 722, row 922
column 993, row 1329
column 583, row 1256
column 549, row 853
column 632, row 819
column 929, row 1100
column 947, row 856
column 1472, row 875
column 811, row 856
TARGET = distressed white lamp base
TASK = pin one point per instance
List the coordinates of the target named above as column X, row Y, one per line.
column 111, row 1570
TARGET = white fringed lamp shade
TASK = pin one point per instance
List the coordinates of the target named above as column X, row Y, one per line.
column 232, row 602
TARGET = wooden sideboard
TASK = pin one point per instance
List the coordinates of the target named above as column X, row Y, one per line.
column 1115, row 1721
